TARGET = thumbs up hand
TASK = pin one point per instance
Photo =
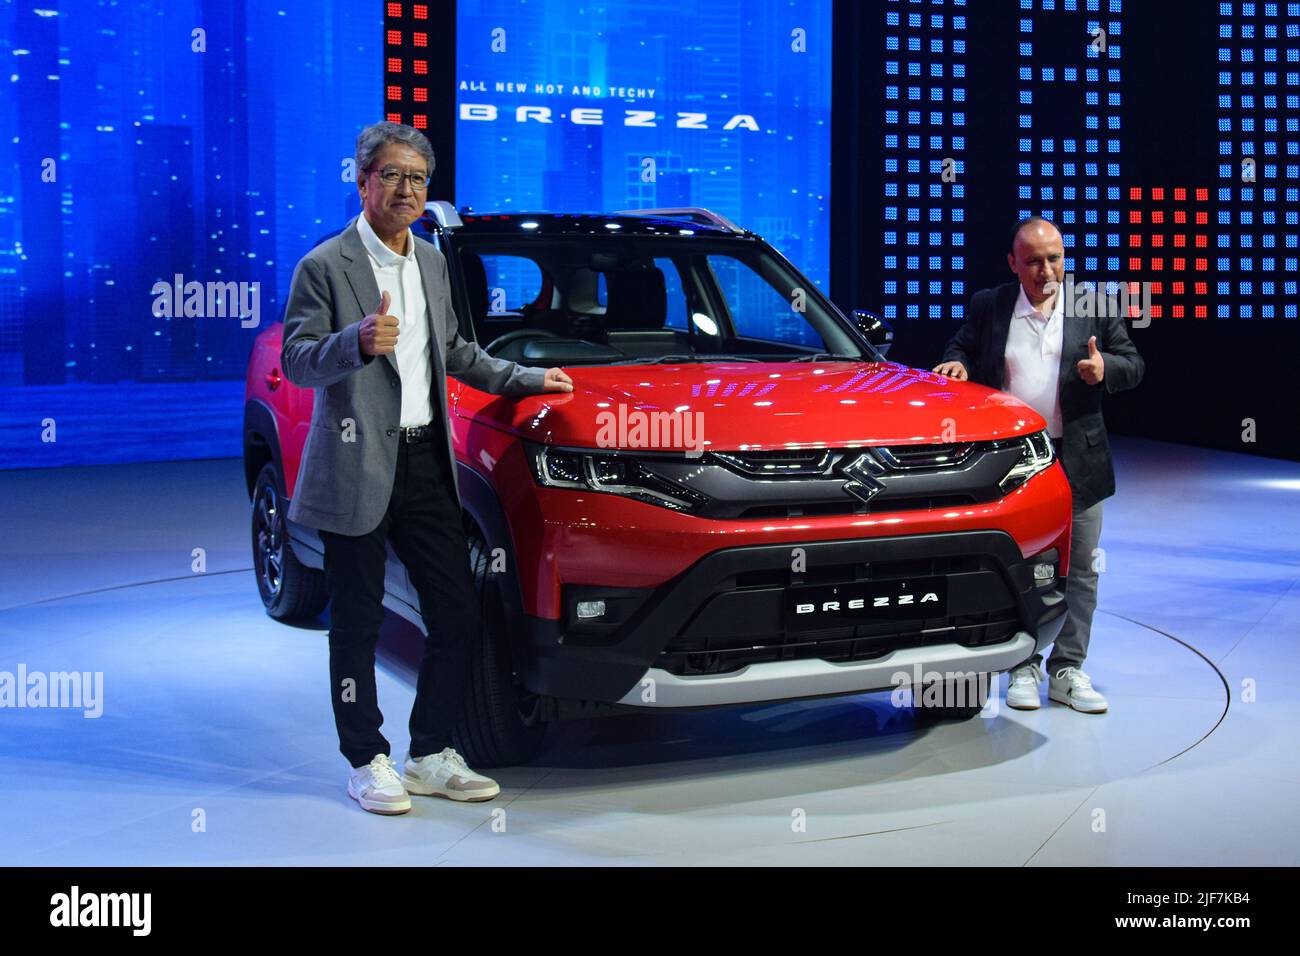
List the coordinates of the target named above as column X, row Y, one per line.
column 379, row 329
column 1092, row 369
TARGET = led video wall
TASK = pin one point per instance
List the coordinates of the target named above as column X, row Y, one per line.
column 571, row 106
column 1204, row 211
column 198, row 146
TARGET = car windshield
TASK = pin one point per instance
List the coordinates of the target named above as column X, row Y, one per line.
column 547, row 300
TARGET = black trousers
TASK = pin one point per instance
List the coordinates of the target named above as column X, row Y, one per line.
column 423, row 521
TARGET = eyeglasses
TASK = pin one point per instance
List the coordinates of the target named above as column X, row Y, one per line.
column 391, row 177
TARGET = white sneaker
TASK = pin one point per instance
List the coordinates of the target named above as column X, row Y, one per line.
column 1022, row 691
column 1071, row 686
column 377, row 787
column 446, row 775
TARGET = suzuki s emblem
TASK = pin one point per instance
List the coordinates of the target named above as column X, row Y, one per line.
column 861, row 470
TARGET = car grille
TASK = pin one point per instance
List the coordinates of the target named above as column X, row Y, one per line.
column 778, row 462
column 741, row 622
column 811, row 482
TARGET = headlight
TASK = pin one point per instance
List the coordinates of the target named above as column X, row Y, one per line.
column 1037, row 456
column 608, row 473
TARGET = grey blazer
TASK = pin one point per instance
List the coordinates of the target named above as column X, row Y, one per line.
column 347, row 470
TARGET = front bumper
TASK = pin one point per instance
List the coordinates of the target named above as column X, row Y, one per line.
column 714, row 634
column 791, row 680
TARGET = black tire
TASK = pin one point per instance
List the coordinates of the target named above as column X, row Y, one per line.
column 290, row 590
column 502, row 724
column 951, row 691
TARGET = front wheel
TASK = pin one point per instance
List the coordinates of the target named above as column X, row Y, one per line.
column 502, row 722
column 289, row 589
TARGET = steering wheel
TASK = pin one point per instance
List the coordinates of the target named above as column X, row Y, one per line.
column 497, row 344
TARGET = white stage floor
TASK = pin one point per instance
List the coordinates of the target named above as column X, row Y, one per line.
column 209, row 705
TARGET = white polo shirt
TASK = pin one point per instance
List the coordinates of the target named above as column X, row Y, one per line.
column 1033, row 359
column 399, row 276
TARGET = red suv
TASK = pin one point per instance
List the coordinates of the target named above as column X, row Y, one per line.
column 740, row 501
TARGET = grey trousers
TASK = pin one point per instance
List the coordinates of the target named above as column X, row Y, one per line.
column 1071, row 647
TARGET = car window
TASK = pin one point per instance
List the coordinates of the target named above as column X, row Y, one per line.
column 643, row 297
column 759, row 310
column 676, row 295
column 512, row 282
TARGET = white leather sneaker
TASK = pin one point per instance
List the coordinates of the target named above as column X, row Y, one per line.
column 1022, row 691
column 378, row 788
column 446, row 775
column 1073, row 687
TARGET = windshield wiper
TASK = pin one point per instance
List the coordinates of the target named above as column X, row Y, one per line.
column 824, row 357
column 693, row 357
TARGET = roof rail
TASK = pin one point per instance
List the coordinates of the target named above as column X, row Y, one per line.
column 693, row 213
column 444, row 212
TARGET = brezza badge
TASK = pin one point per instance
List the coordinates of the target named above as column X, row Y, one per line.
column 860, row 604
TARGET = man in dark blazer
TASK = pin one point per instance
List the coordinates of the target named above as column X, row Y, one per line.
column 1023, row 338
column 369, row 325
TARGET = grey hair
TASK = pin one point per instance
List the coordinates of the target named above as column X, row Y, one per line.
column 373, row 138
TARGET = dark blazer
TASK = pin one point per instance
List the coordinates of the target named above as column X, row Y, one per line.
column 981, row 343
column 350, row 456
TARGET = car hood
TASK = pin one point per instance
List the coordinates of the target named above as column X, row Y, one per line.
column 761, row 406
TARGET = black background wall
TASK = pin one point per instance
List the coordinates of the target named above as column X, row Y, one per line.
column 1204, row 376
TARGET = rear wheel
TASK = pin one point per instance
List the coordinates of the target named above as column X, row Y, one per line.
column 502, row 722
column 290, row 590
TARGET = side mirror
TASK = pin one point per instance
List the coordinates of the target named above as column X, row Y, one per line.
column 878, row 332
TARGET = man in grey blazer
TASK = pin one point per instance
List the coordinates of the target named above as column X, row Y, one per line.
column 1019, row 337
column 369, row 325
